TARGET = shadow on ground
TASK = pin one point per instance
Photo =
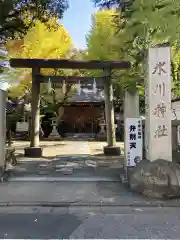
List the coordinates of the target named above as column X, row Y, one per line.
column 41, row 145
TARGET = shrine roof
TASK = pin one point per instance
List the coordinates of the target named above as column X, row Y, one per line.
column 87, row 97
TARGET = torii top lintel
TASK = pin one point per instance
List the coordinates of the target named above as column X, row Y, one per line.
column 68, row 64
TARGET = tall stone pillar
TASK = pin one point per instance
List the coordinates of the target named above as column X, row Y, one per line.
column 158, row 105
column 158, row 177
column 35, row 150
column 111, row 148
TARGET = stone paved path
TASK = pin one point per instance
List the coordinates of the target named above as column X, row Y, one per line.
column 70, row 178
column 68, row 166
column 76, row 159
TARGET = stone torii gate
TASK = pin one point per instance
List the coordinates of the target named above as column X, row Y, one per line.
column 36, row 64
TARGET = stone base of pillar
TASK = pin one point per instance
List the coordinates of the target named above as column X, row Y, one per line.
column 157, row 179
column 126, row 175
column 2, row 171
column 101, row 137
column 34, row 152
column 176, row 156
column 112, row 151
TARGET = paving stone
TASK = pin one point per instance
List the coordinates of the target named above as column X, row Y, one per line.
column 61, row 165
column 90, row 163
column 74, row 165
column 21, row 169
column 42, row 165
column 42, row 172
column 66, row 171
column 58, row 170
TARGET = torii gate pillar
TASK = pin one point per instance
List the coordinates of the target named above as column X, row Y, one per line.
column 34, row 150
column 111, row 149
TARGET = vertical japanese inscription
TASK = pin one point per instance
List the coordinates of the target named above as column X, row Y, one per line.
column 139, row 130
column 133, row 128
column 160, row 91
column 132, row 136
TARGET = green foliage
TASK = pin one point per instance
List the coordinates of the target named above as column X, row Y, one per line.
column 106, row 3
column 17, row 16
column 101, row 39
column 142, row 23
column 102, row 42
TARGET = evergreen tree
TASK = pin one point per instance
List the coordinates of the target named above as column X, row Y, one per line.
column 142, row 23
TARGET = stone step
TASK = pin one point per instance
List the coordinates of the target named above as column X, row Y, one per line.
column 62, row 179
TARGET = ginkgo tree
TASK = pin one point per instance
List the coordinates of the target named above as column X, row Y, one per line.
column 48, row 41
column 101, row 39
column 103, row 43
column 41, row 41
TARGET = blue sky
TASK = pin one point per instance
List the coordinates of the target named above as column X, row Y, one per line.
column 77, row 20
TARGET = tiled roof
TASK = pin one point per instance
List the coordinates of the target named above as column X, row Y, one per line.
column 87, row 96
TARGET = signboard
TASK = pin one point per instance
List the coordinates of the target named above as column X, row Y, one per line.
column 134, row 143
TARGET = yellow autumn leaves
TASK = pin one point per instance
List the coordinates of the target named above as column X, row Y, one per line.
column 44, row 40
column 51, row 40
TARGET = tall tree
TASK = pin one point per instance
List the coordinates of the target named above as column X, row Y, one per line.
column 18, row 16
column 101, row 39
column 39, row 43
column 103, row 43
column 144, row 23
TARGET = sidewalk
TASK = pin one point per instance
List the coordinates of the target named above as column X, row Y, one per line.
column 65, row 194
column 82, row 179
